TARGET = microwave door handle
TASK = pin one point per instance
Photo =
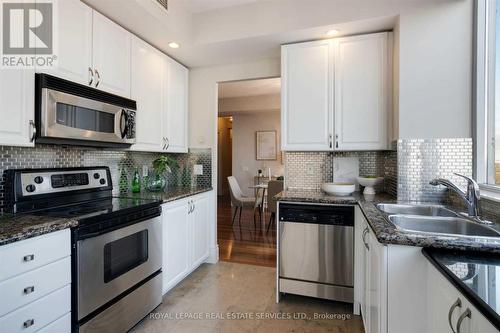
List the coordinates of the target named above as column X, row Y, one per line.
column 123, row 124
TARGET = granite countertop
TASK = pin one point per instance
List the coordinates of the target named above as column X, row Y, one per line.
column 18, row 227
column 476, row 282
column 171, row 194
column 385, row 231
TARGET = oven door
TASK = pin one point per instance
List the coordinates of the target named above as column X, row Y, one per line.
column 66, row 116
column 113, row 262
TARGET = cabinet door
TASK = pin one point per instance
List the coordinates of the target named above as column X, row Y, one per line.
column 74, row 42
column 111, row 56
column 176, row 241
column 307, row 96
column 147, row 90
column 17, row 94
column 441, row 296
column 176, row 120
column 361, row 92
column 359, row 262
column 376, row 292
column 199, row 220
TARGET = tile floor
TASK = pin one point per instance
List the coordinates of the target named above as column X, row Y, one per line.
column 231, row 290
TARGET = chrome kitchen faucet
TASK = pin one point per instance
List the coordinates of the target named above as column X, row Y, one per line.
column 471, row 197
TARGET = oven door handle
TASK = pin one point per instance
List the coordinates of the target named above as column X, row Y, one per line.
column 123, row 123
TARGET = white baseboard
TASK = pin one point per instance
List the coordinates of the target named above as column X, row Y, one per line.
column 213, row 257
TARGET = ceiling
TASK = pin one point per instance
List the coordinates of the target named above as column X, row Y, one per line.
column 200, row 6
column 220, row 32
column 250, row 88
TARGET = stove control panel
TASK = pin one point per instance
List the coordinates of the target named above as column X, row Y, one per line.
column 67, row 180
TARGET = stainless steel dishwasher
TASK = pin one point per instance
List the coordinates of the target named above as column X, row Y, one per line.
column 316, row 251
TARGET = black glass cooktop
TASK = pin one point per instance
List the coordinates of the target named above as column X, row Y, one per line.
column 100, row 208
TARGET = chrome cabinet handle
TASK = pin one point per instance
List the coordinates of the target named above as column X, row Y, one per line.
column 466, row 314
column 29, row 257
column 33, row 131
column 330, row 140
column 336, row 140
column 29, row 290
column 164, row 143
column 91, row 76
column 28, row 323
column 457, row 304
column 365, row 232
column 190, row 207
column 168, row 143
column 98, row 78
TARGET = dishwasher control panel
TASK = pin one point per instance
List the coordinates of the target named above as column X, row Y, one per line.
column 317, row 214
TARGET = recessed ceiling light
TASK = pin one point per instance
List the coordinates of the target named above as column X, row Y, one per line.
column 173, row 45
column 332, row 32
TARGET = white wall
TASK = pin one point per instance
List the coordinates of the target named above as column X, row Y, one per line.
column 203, row 112
column 252, row 104
column 435, row 48
column 245, row 165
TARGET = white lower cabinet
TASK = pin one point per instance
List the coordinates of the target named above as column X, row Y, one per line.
column 36, row 290
column 186, row 236
column 373, row 297
column 398, row 290
column 444, row 299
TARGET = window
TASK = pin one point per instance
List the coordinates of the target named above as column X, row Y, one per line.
column 487, row 94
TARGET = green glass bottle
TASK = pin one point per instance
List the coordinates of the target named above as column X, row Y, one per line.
column 136, row 182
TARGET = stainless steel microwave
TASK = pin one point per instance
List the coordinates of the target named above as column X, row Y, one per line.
column 71, row 113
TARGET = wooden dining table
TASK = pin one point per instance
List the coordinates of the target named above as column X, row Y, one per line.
column 258, row 188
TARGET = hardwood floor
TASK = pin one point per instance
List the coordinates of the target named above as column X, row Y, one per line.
column 244, row 243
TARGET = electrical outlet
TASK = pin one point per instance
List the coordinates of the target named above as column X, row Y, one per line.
column 198, row 169
column 310, row 168
column 145, row 170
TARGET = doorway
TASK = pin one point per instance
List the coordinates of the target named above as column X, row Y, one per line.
column 248, row 153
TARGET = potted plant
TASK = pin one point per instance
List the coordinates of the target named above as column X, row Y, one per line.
column 157, row 181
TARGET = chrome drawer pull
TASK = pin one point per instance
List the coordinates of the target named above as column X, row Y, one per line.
column 28, row 323
column 458, row 304
column 467, row 314
column 29, row 290
column 29, row 257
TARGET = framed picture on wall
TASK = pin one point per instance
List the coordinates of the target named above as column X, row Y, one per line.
column 266, row 143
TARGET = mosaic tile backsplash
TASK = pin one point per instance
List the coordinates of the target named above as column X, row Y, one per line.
column 380, row 163
column 421, row 160
column 52, row 156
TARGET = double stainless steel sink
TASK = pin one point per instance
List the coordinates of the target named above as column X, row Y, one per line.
column 434, row 219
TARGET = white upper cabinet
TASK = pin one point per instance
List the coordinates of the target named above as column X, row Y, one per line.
column 336, row 94
column 361, row 93
column 148, row 91
column 74, row 42
column 175, row 121
column 306, row 97
column 17, row 93
column 111, row 56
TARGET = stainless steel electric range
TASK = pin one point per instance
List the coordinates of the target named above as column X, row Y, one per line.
column 117, row 246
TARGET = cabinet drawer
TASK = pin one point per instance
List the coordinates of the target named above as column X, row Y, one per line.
column 28, row 287
column 61, row 325
column 39, row 313
column 23, row 256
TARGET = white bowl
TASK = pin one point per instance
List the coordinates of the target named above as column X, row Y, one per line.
column 339, row 189
column 370, row 183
